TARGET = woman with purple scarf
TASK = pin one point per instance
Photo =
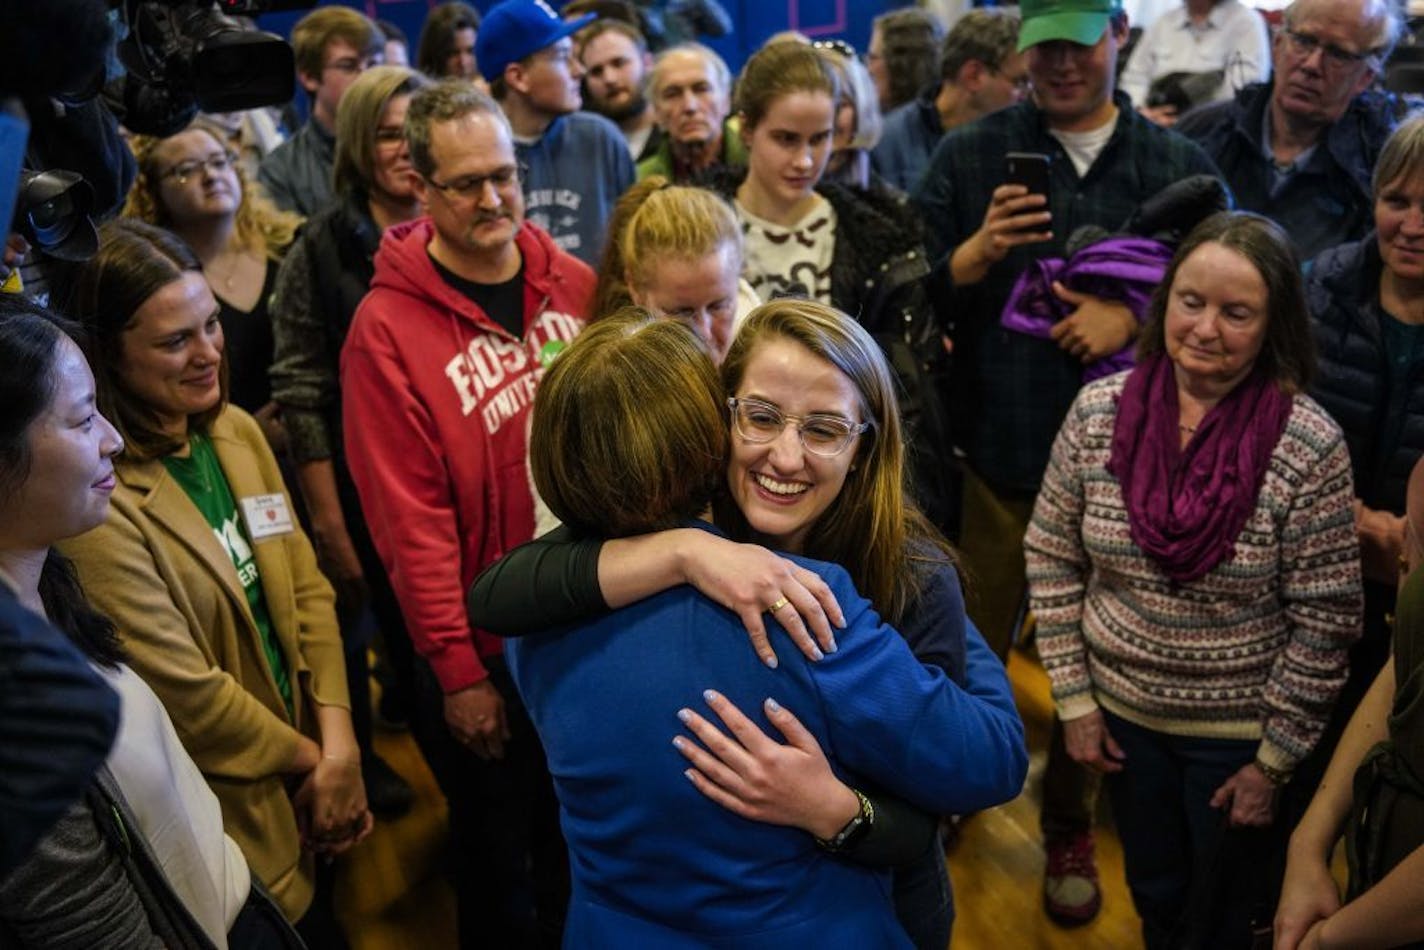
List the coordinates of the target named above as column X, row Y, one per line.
column 1194, row 573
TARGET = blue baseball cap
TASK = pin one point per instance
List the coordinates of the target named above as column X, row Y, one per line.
column 519, row 28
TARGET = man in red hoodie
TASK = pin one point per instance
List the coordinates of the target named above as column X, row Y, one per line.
column 438, row 373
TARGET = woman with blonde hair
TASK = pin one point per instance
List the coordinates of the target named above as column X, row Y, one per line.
column 677, row 252
column 192, row 184
column 816, row 468
column 858, row 118
column 320, row 283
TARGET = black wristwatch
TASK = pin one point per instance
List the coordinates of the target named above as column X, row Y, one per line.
column 858, row 827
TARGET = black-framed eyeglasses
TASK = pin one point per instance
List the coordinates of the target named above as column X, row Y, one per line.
column 216, row 163
column 1303, row 44
column 835, row 46
column 471, row 186
column 821, row 433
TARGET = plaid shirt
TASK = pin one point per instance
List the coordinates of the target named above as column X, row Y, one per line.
column 1020, row 387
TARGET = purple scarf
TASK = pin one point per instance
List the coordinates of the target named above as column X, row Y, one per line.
column 1124, row 269
column 1185, row 506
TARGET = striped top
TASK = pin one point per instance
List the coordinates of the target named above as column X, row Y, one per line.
column 1255, row 649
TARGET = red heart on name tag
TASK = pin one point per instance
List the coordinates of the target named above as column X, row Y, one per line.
column 271, row 514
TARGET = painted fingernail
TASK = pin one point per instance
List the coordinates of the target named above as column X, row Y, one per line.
column 710, row 695
column 834, row 645
column 772, row 706
column 688, row 775
column 770, row 661
column 685, row 715
column 816, row 653
column 677, row 743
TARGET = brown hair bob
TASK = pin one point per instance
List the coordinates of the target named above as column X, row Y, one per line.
column 628, row 432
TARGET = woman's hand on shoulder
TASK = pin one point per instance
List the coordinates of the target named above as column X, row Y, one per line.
column 754, row 776
column 1089, row 743
column 750, row 581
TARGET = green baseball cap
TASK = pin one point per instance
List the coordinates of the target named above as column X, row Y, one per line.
column 1078, row 21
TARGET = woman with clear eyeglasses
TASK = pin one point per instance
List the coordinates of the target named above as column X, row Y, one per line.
column 817, row 468
column 322, row 279
column 192, row 184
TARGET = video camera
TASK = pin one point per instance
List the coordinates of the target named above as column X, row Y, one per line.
column 186, row 55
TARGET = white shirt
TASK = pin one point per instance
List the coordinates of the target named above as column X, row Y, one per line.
column 1234, row 38
column 177, row 812
column 1083, row 148
column 780, row 258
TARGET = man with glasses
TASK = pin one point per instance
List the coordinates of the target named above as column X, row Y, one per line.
column 1013, row 390
column 467, row 307
column 1301, row 148
column 981, row 71
column 332, row 46
column 577, row 162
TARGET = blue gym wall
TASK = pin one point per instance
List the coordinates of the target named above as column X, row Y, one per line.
column 755, row 20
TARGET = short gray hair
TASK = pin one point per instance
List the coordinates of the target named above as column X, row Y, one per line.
column 441, row 102
column 987, row 35
column 720, row 73
column 1379, row 19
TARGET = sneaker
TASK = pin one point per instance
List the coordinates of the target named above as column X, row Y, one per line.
column 1071, row 895
column 387, row 794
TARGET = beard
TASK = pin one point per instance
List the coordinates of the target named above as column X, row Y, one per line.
column 632, row 106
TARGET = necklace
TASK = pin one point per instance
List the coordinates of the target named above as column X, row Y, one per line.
column 1189, row 430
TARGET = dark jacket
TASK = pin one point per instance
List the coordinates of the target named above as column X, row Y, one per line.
column 1386, row 437
column 908, row 139
column 1327, row 202
column 297, row 173
column 878, row 270
column 323, row 278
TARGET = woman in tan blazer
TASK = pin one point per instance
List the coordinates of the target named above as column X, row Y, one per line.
column 203, row 567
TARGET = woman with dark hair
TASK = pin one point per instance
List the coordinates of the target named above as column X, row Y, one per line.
column 796, row 371
column 209, row 579
column 322, row 279
column 1193, row 571
column 447, row 42
column 142, row 859
column 645, row 868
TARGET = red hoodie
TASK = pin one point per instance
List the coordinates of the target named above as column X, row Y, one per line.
column 435, row 407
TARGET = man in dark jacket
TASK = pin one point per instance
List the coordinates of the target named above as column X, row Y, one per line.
column 982, row 71
column 1300, row 148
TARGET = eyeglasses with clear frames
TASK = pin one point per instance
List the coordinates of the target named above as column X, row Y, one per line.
column 825, row 435
column 472, row 186
column 215, row 163
column 1303, row 44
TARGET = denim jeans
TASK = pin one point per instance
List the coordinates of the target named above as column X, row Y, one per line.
column 1194, row 881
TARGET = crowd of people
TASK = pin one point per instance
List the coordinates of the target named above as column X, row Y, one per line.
column 690, row 451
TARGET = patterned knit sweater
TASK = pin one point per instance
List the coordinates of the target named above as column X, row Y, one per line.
column 1255, row 649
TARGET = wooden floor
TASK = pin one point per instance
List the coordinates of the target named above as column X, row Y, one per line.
column 391, row 894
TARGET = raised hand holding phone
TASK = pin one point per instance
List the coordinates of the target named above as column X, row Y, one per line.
column 1017, row 215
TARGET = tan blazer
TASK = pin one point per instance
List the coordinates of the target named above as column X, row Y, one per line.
column 156, row 567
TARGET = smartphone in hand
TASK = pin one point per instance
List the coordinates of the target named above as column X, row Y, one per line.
column 1029, row 169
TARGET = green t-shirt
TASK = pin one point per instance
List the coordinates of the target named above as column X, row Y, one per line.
column 203, row 480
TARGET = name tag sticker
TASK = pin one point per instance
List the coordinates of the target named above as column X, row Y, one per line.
column 267, row 515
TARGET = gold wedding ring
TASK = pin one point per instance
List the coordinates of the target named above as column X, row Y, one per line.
column 777, row 606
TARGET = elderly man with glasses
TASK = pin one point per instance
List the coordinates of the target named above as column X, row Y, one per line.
column 1300, row 148
column 438, row 374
